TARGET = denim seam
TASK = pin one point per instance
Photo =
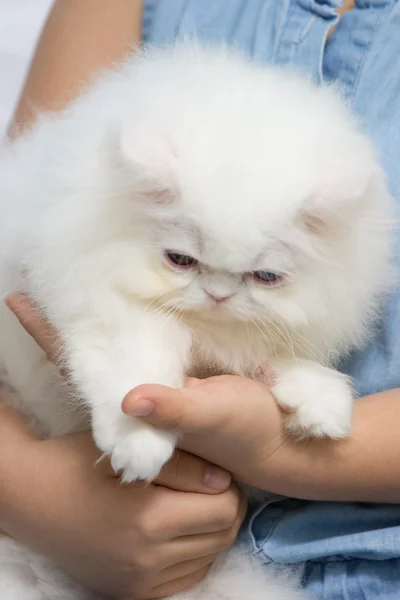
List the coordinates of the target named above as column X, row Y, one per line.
column 259, row 546
column 284, row 28
column 385, row 13
column 306, row 29
column 334, row 560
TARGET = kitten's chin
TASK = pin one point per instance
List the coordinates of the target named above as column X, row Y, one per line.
column 213, row 313
column 218, row 314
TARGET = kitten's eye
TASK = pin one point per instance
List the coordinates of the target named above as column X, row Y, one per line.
column 181, row 260
column 267, row 277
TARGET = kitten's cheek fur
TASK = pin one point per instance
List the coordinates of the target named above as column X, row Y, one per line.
column 319, row 400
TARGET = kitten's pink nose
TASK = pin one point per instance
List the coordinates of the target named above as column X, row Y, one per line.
column 218, row 299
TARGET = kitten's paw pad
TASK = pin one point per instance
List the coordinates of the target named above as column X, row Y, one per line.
column 319, row 403
column 141, row 453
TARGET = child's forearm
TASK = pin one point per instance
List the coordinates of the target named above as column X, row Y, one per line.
column 16, row 442
column 363, row 468
column 79, row 40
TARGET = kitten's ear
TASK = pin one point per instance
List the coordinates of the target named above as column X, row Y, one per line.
column 150, row 160
column 343, row 182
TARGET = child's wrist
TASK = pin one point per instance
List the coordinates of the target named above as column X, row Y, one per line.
column 294, row 468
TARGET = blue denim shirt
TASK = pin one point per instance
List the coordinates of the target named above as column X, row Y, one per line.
column 346, row 551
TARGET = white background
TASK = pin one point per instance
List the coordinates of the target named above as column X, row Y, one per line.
column 20, row 24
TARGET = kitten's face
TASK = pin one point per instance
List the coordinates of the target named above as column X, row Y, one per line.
column 258, row 260
column 229, row 279
column 243, row 205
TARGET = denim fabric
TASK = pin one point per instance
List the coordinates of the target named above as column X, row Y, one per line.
column 347, row 551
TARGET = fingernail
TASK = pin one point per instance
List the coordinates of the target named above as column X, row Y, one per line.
column 216, row 479
column 142, row 408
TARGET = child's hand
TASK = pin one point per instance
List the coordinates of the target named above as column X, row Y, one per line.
column 142, row 541
column 231, row 421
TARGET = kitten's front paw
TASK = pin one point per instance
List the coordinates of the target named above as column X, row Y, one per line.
column 137, row 450
column 142, row 453
column 319, row 402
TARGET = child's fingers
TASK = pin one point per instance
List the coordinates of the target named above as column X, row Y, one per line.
column 35, row 324
column 189, row 410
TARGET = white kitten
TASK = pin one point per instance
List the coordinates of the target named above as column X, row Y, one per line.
column 191, row 211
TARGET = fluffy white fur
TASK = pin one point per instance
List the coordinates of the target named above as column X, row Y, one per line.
column 242, row 168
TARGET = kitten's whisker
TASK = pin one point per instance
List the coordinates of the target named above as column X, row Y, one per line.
column 268, row 340
column 152, row 314
column 303, row 347
column 281, row 335
column 293, row 338
column 148, row 317
column 286, row 334
column 249, row 332
column 174, row 312
column 170, row 314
